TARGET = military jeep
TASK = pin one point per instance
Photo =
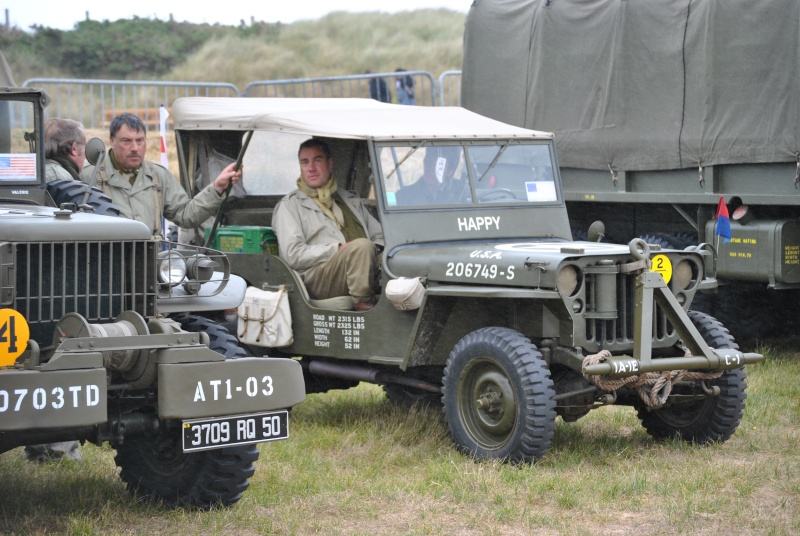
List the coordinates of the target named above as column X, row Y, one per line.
column 100, row 339
column 515, row 323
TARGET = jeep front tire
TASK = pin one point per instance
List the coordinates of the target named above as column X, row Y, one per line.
column 711, row 418
column 498, row 397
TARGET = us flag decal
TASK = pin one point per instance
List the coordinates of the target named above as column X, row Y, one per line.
column 18, row 166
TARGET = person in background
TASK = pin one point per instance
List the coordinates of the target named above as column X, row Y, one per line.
column 148, row 192
column 404, row 86
column 437, row 185
column 378, row 89
column 64, row 149
column 326, row 234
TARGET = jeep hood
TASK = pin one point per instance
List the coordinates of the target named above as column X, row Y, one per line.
column 515, row 264
column 45, row 224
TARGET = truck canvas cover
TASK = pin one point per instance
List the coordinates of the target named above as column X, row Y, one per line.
column 641, row 84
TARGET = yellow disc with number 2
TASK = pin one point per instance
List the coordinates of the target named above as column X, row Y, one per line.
column 14, row 335
column 662, row 265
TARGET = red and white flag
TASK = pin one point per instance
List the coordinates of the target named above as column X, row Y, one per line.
column 164, row 115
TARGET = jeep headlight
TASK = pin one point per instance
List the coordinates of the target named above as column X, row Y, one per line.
column 171, row 268
column 683, row 274
column 200, row 268
column 567, row 281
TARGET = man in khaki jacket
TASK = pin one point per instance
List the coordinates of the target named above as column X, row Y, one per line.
column 326, row 234
column 64, row 146
column 146, row 191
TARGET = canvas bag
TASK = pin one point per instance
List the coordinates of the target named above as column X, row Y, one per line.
column 405, row 293
column 265, row 318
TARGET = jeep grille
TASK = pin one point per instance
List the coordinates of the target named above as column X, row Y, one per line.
column 97, row 280
column 607, row 329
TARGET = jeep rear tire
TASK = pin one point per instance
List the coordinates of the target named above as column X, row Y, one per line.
column 714, row 418
column 498, row 397
column 155, row 466
column 70, row 191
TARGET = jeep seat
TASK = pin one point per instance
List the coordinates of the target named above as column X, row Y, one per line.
column 342, row 303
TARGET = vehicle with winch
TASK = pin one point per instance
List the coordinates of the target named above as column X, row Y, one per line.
column 106, row 335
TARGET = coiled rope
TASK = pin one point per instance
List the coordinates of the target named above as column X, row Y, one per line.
column 653, row 387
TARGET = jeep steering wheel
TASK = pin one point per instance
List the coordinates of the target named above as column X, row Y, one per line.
column 499, row 193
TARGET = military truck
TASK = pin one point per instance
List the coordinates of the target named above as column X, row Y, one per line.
column 661, row 109
column 488, row 307
column 100, row 342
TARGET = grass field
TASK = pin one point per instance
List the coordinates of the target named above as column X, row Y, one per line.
column 356, row 465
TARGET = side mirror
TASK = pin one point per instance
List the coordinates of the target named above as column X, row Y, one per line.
column 597, row 231
column 95, row 149
column 95, row 152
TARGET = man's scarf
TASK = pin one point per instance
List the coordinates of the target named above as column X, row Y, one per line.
column 68, row 164
column 323, row 196
column 134, row 172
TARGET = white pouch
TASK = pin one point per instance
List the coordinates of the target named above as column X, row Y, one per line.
column 405, row 294
column 265, row 318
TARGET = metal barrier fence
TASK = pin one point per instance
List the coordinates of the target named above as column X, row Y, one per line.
column 379, row 86
column 95, row 102
column 450, row 88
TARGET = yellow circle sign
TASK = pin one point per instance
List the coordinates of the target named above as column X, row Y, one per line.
column 663, row 266
column 14, row 335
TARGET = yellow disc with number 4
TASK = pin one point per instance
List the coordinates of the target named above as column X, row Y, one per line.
column 14, row 335
column 662, row 265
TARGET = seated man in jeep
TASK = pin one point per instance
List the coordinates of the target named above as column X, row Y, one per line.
column 64, row 148
column 327, row 234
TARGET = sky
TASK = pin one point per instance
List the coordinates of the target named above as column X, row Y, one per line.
column 63, row 15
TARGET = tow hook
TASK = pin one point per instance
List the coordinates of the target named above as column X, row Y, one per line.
column 710, row 391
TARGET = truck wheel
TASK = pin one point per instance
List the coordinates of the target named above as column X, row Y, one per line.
column 498, row 397
column 70, row 191
column 714, row 418
column 660, row 240
column 155, row 467
column 407, row 397
column 222, row 341
column 671, row 241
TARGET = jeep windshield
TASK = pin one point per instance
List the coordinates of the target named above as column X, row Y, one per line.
column 453, row 174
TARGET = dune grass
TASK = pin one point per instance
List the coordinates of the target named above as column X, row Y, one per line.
column 337, row 44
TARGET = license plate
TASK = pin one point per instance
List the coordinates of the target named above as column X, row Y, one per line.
column 206, row 434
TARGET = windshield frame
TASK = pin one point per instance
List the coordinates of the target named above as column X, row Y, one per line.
column 28, row 123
